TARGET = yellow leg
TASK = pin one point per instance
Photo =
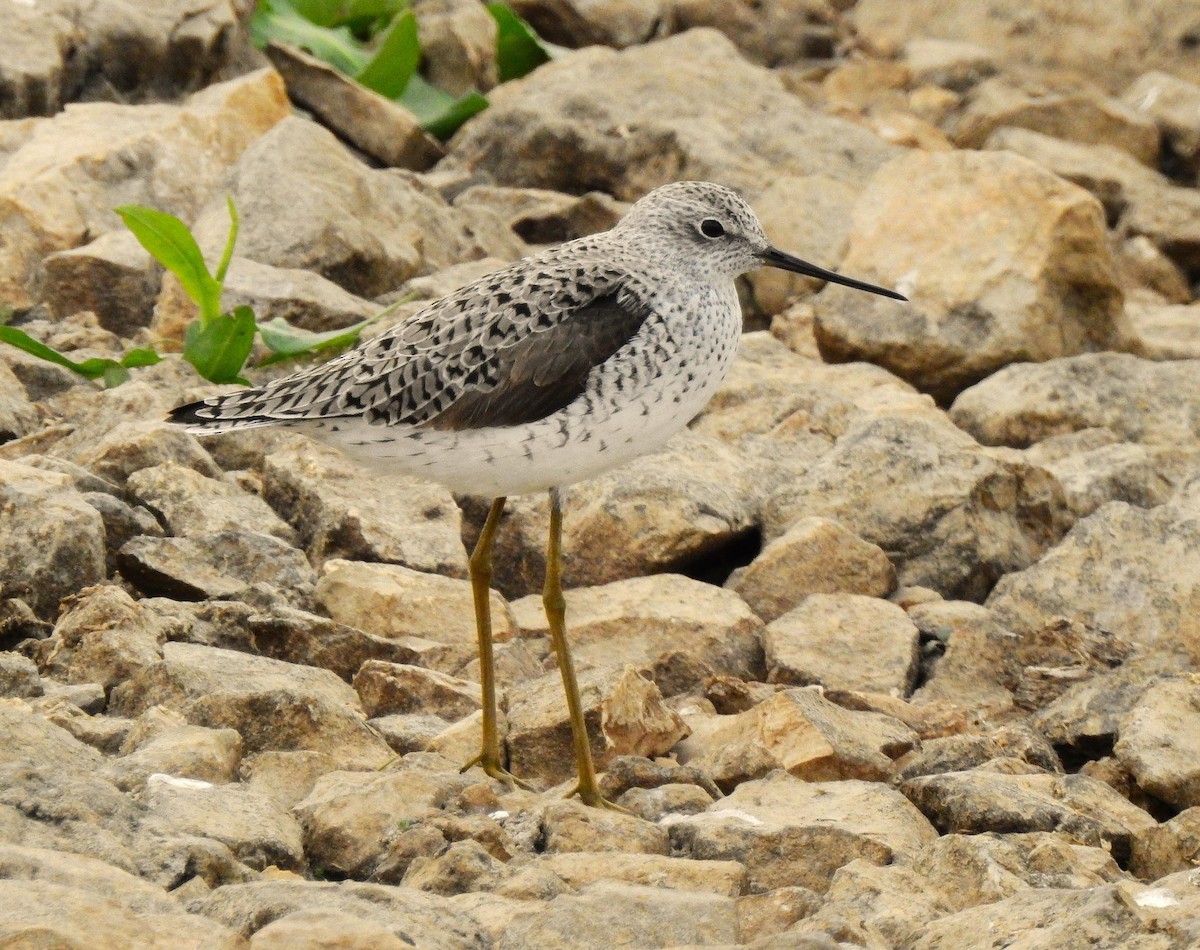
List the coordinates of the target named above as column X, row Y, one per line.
column 481, row 581
column 556, row 611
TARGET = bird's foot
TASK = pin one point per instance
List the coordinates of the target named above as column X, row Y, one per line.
column 493, row 769
column 590, row 795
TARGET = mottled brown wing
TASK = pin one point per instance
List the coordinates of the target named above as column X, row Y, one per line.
column 548, row 369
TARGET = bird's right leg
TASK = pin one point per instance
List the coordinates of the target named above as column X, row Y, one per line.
column 480, row 566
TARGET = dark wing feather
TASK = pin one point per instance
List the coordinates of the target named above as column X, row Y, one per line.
column 548, row 369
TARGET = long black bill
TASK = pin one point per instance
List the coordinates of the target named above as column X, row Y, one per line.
column 773, row 258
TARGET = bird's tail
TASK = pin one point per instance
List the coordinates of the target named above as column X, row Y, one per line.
column 227, row 413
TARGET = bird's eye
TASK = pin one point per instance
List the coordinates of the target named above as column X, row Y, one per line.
column 712, row 228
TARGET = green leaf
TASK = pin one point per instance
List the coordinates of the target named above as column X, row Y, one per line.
column 219, row 349
column 366, row 18
column 172, row 245
column 320, row 12
column 395, row 60
column 230, row 241
column 439, row 112
column 285, row 341
column 278, row 20
column 111, row 371
column 519, row 50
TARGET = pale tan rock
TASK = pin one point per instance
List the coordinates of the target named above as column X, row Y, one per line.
column 286, row 776
column 342, row 512
column 607, row 914
column 103, row 636
column 892, row 904
column 966, row 870
column 1120, row 471
column 580, row 869
column 1042, row 919
column 462, row 867
column 192, row 752
column 798, row 731
column 189, row 503
column 762, row 916
column 394, row 601
column 636, row 621
column 814, row 556
column 1170, row 332
column 372, row 123
column 1160, row 741
column 1155, row 552
column 1172, row 104
column 624, row 713
column 273, row 705
column 396, row 688
column 1145, row 269
column 951, row 514
column 55, row 193
column 570, row 826
column 1169, row 905
column 672, row 134
column 954, row 64
column 789, row 832
column 51, row 539
column 540, row 216
column 1021, row 238
column 459, row 41
column 411, row 916
column 957, row 753
column 844, row 641
column 350, row 818
column 325, row 930
column 1164, row 849
column 1081, row 117
column 112, row 276
column 976, row 801
column 249, row 823
column 979, row 669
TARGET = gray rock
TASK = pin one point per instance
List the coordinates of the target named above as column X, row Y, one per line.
column 373, row 124
column 19, row 676
column 1171, row 103
column 984, row 800
column 57, row 190
column 216, row 565
column 776, row 33
column 386, row 688
column 951, row 515
column 705, row 121
column 577, row 23
column 1164, row 849
column 113, row 276
column 122, row 523
column 51, row 539
column 300, row 297
column 844, row 641
column 458, row 42
column 539, row 216
column 1160, row 741
column 341, row 512
column 273, row 705
column 18, row 416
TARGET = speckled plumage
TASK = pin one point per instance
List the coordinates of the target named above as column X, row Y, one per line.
column 551, row 370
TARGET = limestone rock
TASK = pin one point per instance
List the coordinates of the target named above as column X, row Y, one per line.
column 1160, row 741
column 458, row 41
column 215, row 565
column 55, row 191
column 316, row 929
column 273, row 705
column 696, row 125
column 394, row 602
column 1170, row 332
column 189, row 752
column 1164, row 849
column 951, row 515
column 407, row 914
column 1093, row 476
column 636, row 621
column 539, row 216
column 814, row 556
column 789, row 832
column 844, row 641
column 19, row 677
column 51, row 539
column 365, row 230
column 1080, row 117
column 386, row 688
column 352, row 820
column 1138, row 400
column 981, row 800
column 577, row 23
column 190, row 504
column 572, row 827
column 1154, row 552
column 113, row 276
column 248, row 823
column 1008, row 296
column 373, row 124
column 607, row 914
column 580, row 869
column 1172, row 104
column 801, row 732
column 343, row 513
column 623, row 711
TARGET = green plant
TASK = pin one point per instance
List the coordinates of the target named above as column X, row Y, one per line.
column 217, row 344
column 375, row 42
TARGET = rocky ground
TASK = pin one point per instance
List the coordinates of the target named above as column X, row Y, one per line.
column 897, row 647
